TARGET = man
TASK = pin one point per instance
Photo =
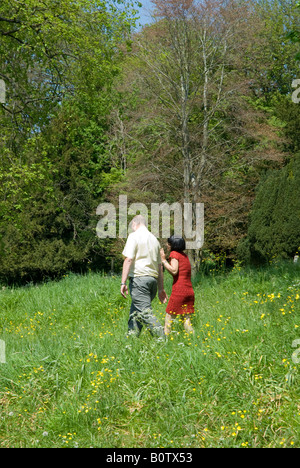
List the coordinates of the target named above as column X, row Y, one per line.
column 143, row 266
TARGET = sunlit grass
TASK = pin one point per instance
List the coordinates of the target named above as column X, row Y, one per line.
column 73, row 378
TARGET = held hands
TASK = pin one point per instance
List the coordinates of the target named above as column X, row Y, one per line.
column 163, row 297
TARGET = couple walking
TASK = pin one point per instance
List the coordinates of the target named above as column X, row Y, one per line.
column 143, row 265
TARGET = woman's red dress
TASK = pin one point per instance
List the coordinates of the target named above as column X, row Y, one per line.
column 182, row 299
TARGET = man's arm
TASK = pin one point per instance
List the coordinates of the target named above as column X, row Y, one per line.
column 126, row 268
column 161, row 292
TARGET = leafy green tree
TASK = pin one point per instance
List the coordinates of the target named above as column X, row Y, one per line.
column 274, row 229
column 199, row 128
column 294, row 34
column 60, row 62
column 49, row 205
column 273, row 67
column 51, row 49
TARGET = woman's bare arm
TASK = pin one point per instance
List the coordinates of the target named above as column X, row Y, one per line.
column 172, row 267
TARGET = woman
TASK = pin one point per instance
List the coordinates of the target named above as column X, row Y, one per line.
column 182, row 299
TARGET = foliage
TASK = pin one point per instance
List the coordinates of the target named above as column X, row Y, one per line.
column 274, row 228
column 49, row 212
column 61, row 60
column 52, row 49
column 194, row 107
column 294, row 34
column 159, row 131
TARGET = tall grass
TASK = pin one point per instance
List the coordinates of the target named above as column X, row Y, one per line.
column 72, row 378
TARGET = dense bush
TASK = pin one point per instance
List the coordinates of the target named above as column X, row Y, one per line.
column 49, row 206
column 274, row 228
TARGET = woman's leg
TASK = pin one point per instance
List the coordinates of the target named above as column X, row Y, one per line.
column 168, row 324
column 188, row 325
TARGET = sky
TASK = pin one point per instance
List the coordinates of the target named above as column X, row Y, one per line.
column 145, row 16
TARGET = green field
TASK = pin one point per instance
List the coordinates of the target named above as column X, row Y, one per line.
column 73, row 379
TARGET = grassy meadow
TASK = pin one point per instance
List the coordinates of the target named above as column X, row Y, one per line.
column 72, row 378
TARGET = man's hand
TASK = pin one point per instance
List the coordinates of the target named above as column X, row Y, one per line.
column 124, row 290
column 163, row 296
column 125, row 272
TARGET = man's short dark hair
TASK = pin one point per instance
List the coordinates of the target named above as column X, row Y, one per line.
column 177, row 243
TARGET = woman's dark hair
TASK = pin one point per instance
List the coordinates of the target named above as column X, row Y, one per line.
column 177, row 243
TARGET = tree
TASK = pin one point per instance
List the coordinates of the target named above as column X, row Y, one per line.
column 274, row 228
column 51, row 48
column 273, row 66
column 60, row 62
column 196, row 128
column 294, row 34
